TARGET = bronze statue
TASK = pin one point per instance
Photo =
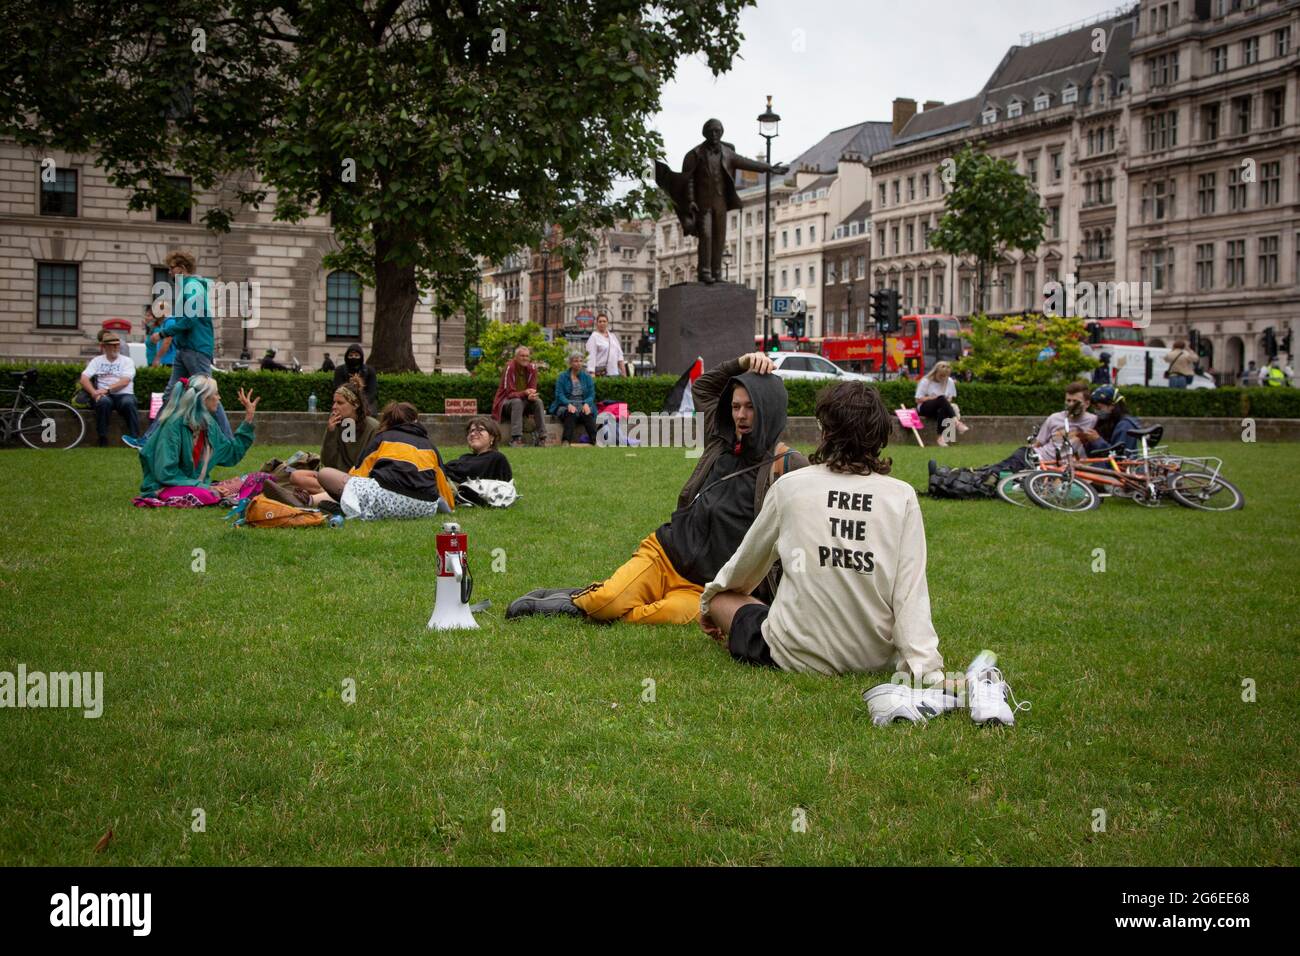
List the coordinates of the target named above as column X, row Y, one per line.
column 705, row 191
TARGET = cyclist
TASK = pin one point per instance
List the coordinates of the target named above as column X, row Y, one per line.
column 1114, row 421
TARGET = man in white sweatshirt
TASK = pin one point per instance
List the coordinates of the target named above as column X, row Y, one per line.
column 854, row 595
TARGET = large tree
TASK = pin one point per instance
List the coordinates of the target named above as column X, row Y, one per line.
column 429, row 132
column 989, row 209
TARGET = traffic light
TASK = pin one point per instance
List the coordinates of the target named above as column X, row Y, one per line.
column 643, row 346
column 1270, row 342
column 880, row 308
column 895, row 311
column 797, row 324
column 774, row 343
column 652, row 323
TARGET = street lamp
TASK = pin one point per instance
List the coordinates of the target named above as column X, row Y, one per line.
column 767, row 128
column 726, row 265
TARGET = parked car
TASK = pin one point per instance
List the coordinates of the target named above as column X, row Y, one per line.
column 806, row 365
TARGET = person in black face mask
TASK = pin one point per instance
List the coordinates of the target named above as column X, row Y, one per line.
column 356, row 372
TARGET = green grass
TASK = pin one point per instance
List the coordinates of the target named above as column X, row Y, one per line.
column 223, row 688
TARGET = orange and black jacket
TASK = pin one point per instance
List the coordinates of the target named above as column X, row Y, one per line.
column 404, row 460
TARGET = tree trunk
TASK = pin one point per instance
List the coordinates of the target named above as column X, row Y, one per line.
column 395, row 298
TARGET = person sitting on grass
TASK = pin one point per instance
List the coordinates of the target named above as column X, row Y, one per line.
column 484, row 459
column 854, row 597
column 188, row 442
column 575, row 399
column 1074, row 423
column 109, row 381
column 348, row 433
column 399, row 476
column 1115, row 423
column 518, row 393
column 935, row 393
column 744, row 413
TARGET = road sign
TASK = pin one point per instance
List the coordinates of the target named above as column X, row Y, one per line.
column 475, row 352
column 782, row 304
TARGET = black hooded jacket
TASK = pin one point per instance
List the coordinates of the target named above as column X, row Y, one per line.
column 343, row 372
column 707, row 528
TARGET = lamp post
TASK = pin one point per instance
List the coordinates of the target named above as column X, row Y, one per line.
column 726, row 265
column 767, row 128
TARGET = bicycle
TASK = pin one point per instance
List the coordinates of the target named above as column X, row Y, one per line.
column 44, row 423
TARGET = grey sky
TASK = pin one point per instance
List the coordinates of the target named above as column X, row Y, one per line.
column 858, row 56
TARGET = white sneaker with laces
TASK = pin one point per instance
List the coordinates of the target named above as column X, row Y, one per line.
column 987, row 692
column 888, row 703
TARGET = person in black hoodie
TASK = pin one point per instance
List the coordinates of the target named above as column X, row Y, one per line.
column 400, row 474
column 354, row 366
column 744, row 409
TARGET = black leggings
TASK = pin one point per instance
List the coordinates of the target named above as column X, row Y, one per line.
column 570, row 420
column 940, row 409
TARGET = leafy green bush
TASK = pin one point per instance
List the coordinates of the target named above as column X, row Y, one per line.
column 287, row 392
column 1007, row 350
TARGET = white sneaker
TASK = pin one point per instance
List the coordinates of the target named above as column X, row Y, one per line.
column 987, row 692
column 891, row 702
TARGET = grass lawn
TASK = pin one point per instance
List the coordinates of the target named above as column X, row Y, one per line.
column 223, row 689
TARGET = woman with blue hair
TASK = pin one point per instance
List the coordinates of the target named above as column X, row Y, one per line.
column 188, row 442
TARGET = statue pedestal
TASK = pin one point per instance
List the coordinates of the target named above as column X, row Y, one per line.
column 714, row 322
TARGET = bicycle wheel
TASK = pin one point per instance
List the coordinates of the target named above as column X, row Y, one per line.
column 51, row 424
column 1053, row 490
column 1011, row 491
column 1206, row 492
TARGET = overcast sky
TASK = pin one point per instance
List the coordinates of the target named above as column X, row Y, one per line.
column 858, row 55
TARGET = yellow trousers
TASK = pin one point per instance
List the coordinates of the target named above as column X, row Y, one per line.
column 645, row 590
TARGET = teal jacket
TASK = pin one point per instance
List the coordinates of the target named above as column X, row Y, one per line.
column 167, row 459
column 567, row 394
column 191, row 331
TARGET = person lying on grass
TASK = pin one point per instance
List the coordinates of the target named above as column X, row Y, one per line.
column 399, row 476
column 348, row 433
column 188, row 442
column 744, row 413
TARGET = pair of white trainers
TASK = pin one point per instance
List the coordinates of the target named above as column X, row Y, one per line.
column 987, row 695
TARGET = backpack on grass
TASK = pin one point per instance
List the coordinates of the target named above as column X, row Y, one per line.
column 963, row 483
column 260, row 511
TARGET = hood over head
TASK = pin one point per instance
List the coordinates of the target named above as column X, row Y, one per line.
column 354, row 362
column 770, row 399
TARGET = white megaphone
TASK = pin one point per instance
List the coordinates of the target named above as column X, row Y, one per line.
column 451, row 600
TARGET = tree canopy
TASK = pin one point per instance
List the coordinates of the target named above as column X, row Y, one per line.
column 430, row 133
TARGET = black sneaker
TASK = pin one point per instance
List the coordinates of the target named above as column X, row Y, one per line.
column 556, row 605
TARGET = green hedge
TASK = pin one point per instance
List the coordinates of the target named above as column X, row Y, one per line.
column 284, row 391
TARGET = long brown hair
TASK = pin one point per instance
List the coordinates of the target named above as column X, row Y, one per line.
column 397, row 413
column 854, row 429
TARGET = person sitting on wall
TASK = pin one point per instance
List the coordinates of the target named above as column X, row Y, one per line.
column 575, row 400
column 109, row 381
column 518, row 393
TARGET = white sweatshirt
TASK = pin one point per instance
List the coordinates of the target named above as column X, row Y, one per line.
column 853, row 594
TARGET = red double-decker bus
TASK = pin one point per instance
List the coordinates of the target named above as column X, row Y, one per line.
column 912, row 350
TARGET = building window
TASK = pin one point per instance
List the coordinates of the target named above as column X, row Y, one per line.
column 59, row 198
column 56, row 295
column 925, row 185
column 629, row 282
column 1250, row 51
column 911, row 237
column 785, row 278
column 1054, row 221
column 923, row 300
column 785, row 239
column 880, row 240
column 1162, row 70
column 989, row 116
column 1236, row 190
column 1270, row 183
column 1042, row 101
column 1205, row 266
column 1274, row 107
column 1282, row 42
column 894, row 235
column 882, row 195
column 1219, row 59
column 1162, row 131
column 1235, row 266
column 798, row 236
column 1210, row 122
column 830, row 274
column 897, row 198
column 1014, row 109
column 1070, row 94
column 911, row 188
column 1240, row 115
column 184, row 185
column 1058, row 170
column 1268, row 260
column 1031, row 169
column 798, row 277
column 812, row 234
column 343, row 305
column 965, row 294
column 1008, row 290
column 1205, row 189
column 1158, row 269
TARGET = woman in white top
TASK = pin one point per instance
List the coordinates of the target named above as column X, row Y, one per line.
column 604, row 353
column 934, row 397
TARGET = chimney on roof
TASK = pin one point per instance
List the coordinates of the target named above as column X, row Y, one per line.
column 904, row 110
column 931, row 104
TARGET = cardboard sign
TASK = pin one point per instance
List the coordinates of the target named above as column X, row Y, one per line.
column 909, row 418
column 460, row 406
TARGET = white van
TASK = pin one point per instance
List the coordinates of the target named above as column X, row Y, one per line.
column 1129, row 365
